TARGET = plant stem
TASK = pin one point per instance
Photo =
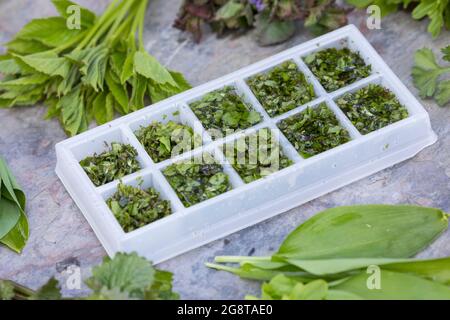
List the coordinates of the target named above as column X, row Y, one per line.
column 222, row 267
column 240, row 259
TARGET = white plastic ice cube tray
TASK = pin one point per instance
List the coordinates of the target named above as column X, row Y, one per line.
column 245, row 204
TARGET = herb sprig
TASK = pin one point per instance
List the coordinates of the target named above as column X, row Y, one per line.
column 314, row 131
column 223, row 112
column 371, row 108
column 257, row 155
column 134, row 207
column 112, row 164
column 282, row 89
column 197, row 180
column 428, row 75
column 160, row 140
column 337, row 68
column 89, row 73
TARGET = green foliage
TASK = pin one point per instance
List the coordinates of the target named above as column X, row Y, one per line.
column 197, row 180
column 125, row 277
column 13, row 221
column 256, row 155
column 223, row 112
column 437, row 11
column 337, row 68
column 134, row 207
column 327, row 256
column 428, row 75
column 282, row 89
column 371, row 108
column 164, row 140
column 115, row 163
column 314, row 130
column 85, row 74
column 274, row 20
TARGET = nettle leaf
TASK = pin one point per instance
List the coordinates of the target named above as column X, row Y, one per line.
column 87, row 17
column 48, row 63
column 52, row 32
column 126, row 272
column 147, row 66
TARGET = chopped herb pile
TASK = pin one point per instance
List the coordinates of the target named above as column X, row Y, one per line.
column 135, row 208
column 195, row 181
column 224, row 112
column 372, row 108
column 282, row 89
column 314, row 131
column 110, row 165
column 337, row 68
column 162, row 141
column 257, row 155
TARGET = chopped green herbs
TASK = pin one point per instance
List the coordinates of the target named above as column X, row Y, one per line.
column 223, row 112
column 197, row 180
column 282, row 89
column 135, row 207
column 372, row 108
column 256, row 155
column 163, row 141
column 110, row 165
column 337, row 68
column 314, row 130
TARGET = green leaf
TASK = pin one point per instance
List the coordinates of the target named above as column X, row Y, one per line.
column 365, row 231
column 128, row 69
column 229, row 10
column 443, row 93
column 72, row 111
column 138, row 93
column 446, row 52
column 26, row 47
column 126, row 272
column 26, row 81
column 48, row 63
column 50, row 291
column 87, row 17
column 119, row 92
column 52, row 32
column 272, row 31
column 394, row 286
column 9, row 66
column 426, row 72
column 147, row 66
column 9, row 186
column 9, row 216
column 17, row 238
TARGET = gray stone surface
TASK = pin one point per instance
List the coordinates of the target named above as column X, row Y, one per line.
column 59, row 233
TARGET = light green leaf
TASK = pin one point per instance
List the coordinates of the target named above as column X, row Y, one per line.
column 229, row 10
column 87, row 17
column 48, row 63
column 72, row 111
column 9, row 216
column 9, row 66
column 52, row 32
column 26, row 47
column 17, row 237
column 394, row 286
column 27, row 81
column 443, row 93
column 147, row 66
column 119, row 92
column 128, row 69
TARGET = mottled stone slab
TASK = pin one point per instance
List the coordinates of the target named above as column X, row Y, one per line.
column 60, row 236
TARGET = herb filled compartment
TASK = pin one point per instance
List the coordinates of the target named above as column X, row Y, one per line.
column 314, row 130
column 257, row 155
column 119, row 160
column 224, row 111
column 197, row 179
column 371, row 108
column 336, row 68
column 282, row 88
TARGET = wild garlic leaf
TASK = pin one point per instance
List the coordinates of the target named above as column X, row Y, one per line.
column 17, row 237
column 9, row 216
column 52, row 32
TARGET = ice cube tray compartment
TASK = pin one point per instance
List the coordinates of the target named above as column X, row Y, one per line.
column 245, row 204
